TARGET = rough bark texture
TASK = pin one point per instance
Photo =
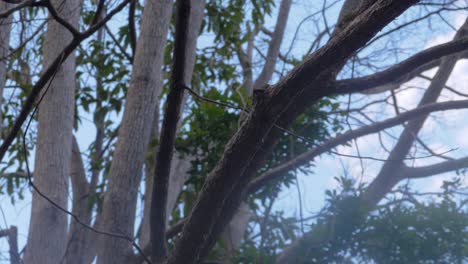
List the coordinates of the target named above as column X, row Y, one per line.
column 228, row 178
column 125, row 172
column 5, row 28
column 47, row 237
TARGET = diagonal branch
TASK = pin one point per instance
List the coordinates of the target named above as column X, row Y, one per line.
column 308, row 156
column 46, row 76
column 247, row 149
column 388, row 176
column 426, row 59
column 47, row 4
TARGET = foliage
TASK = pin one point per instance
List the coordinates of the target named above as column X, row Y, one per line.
column 425, row 231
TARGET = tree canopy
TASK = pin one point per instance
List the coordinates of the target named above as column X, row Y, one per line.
column 163, row 131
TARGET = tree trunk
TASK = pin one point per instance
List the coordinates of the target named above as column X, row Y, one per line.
column 48, row 226
column 125, row 173
column 5, row 28
column 78, row 246
column 180, row 164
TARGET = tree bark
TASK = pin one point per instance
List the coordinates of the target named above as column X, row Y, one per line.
column 274, row 47
column 48, row 226
column 5, row 28
column 125, row 173
column 158, row 215
column 389, row 175
column 79, row 248
column 393, row 170
column 246, row 151
column 180, row 164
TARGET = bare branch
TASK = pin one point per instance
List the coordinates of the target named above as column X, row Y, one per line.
column 388, row 176
column 394, row 73
column 434, row 169
column 275, row 44
column 29, row 3
column 308, row 156
column 117, row 43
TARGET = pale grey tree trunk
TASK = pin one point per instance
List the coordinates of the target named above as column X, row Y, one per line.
column 180, row 164
column 81, row 247
column 78, row 247
column 119, row 206
column 48, row 226
column 234, row 232
column 274, row 47
column 5, row 28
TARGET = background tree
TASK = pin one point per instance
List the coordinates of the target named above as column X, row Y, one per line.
column 205, row 112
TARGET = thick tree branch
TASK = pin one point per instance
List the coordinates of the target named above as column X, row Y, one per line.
column 167, row 138
column 127, row 162
column 223, row 189
column 390, row 173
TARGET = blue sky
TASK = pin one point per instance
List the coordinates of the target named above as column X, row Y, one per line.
column 444, row 131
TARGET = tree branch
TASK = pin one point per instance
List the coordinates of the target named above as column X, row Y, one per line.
column 77, row 245
column 48, row 73
column 132, row 28
column 167, row 138
column 275, row 44
column 29, row 3
column 426, row 59
column 47, row 4
column 308, row 156
column 388, row 176
column 434, row 169
column 223, row 190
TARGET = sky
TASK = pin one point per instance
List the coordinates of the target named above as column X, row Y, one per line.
column 444, row 131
